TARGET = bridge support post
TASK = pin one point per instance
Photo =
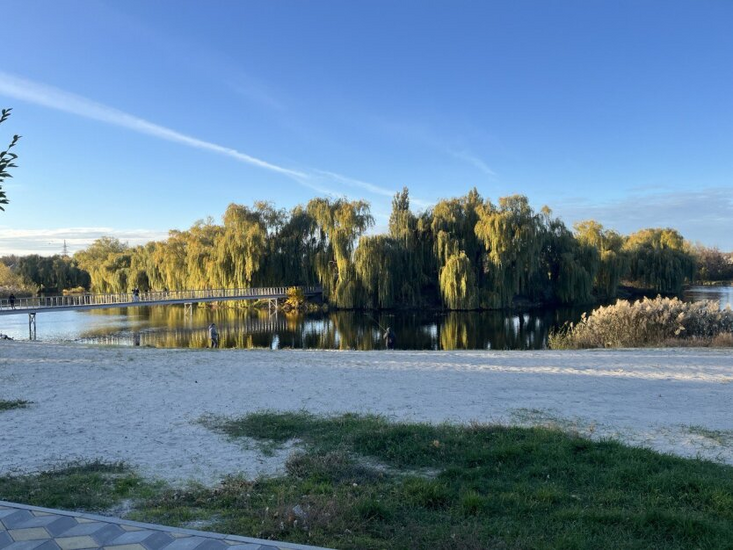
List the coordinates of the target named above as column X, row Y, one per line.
column 272, row 306
column 32, row 326
column 188, row 310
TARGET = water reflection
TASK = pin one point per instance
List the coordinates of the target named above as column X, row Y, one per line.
column 721, row 294
column 171, row 327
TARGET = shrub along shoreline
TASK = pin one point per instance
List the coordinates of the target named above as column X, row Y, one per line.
column 648, row 323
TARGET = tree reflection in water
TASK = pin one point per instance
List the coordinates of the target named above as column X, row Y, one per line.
column 170, row 327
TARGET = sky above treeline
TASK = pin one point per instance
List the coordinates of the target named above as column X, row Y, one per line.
column 138, row 117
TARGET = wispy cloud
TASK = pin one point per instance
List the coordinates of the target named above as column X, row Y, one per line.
column 51, row 241
column 475, row 161
column 60, row 100
column 54, row 98
column 358, row 183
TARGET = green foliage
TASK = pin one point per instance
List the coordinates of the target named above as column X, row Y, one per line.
column 458, row 282
column 339, row 224
column 659, row 259
column 10, row 279
column 464, row 253
column 107, row 261
column 613, row 259
column 712, row 264
column 295, row 299
column 51, row 274
column 7, row 159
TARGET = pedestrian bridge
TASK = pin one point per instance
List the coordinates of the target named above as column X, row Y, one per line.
column 78, row 302
column 157, row 298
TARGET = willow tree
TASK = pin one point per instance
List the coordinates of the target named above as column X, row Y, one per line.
column 240, row 248
column 512, row 236
column 613, row 261
column 659, row 259
column 339, row 224
column 458, row 283
column 378, row 261
column 457, row 249
column 171, row 258
column 294, row 250
column 107, row 261
column 568, row 266
column 413, row 250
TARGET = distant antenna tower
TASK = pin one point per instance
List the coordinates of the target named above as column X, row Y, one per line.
column 65, row 250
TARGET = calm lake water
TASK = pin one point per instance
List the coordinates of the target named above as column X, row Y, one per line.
column 168, row 327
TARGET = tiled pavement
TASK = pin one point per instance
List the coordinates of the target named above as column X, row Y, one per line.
column 31, row 528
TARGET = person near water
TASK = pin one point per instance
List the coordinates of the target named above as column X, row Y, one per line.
column 11, row 301
column 389, row 338
column 213, row 335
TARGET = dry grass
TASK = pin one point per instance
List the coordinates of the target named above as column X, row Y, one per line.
column 657, row 322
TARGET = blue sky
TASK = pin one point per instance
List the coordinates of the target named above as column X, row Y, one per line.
column 138, row 117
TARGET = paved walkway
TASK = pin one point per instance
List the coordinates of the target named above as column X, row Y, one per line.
column 32, row 528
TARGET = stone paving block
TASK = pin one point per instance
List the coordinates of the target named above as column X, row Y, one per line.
column 245, row 546
column 33, row 545
column 34, row 533
column 12, row 521
column 5, row 540
column 61, row 525
column 131, row 528
column 83, row 529
column 187, row 543
column 38, row 513
column 55, row 525
column 268, row 547
column 107, row 533
column 76, row 543
column 213, row 545
column 157, row 540
column 36, row 521
column 131, row 537
column 126, row 547
column 85, row 520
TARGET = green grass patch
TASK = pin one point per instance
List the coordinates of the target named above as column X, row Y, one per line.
column 88, row 486
column 7, row 405
column 362, row 482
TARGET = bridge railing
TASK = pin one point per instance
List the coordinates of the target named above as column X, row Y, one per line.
column 152, row 297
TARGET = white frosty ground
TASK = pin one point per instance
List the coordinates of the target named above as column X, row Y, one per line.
column 142, row 405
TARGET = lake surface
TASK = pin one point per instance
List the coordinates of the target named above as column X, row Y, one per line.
column 169, row 327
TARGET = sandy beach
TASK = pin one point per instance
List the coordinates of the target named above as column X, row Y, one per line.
column 144, row 406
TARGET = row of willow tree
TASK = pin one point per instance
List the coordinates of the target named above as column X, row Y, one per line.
column 464, row 253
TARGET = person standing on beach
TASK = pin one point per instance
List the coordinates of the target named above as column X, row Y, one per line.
column 213, row 335
column 389, row 338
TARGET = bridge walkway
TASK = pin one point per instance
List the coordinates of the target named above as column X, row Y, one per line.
column 155, row 298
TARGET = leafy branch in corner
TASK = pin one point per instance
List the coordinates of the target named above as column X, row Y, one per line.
column 6, row 159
